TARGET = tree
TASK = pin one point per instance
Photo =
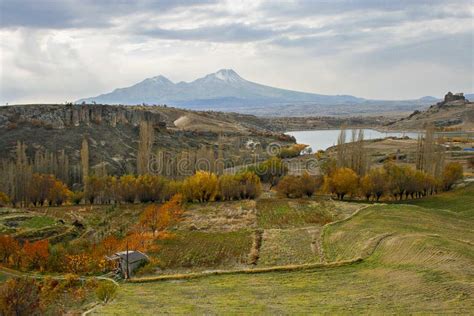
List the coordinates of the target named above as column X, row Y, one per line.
column 249, row 185
column 309, row 183
column 290, row 186
column 4, row 199
column 127, row 188
column 269, row 171
column 36, row 254
column 229, row 187
column 151, row 188
column 20, row 296
column 85, row 161
column 201, row 187
column 58, row 193
column 8, row 247
column 158, row 218
column 144, row 147
column 452, row 173
column 398, row 179
column 344, row 181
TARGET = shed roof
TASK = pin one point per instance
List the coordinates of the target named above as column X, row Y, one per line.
column 133, row 256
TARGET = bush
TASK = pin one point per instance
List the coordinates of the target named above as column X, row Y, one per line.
column 20, row 296
column 106, row 291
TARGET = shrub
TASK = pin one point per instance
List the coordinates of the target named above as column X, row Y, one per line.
column 20, row 296
column 106, row 291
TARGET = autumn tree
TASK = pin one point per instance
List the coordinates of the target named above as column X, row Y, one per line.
column 343, row 181
column 127, row 188
column 4, row 199
column 452, row 173
column 229, row 187
column 158, row 218
column 151, row 188
column 58, row 193
column 374, row 183
column 290, row 186
column 20, row 296
column 249, row 185
column 8, row 248
column 201, row 187
column 36, row 254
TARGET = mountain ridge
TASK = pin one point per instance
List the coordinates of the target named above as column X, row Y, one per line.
column 226, row 90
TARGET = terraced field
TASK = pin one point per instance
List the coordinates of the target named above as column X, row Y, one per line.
column 418, row 258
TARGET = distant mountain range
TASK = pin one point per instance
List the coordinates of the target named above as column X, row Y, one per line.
column 225, row 90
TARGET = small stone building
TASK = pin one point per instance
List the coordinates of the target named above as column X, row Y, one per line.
column 131, row 259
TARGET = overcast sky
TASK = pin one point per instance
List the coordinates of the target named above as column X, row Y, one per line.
column 63, row 50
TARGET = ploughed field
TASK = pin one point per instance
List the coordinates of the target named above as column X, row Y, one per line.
column 416, row 257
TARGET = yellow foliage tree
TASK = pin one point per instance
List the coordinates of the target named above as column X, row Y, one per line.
column 343, row 181
column 201, row 187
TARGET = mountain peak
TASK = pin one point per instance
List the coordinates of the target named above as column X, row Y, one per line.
column 159, row 79
column 227, row 75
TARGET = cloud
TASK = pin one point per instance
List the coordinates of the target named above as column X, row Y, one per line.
column 214, row 33
column 58, row 14
column 322, row 46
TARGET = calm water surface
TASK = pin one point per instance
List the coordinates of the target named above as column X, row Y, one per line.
column 323, row 139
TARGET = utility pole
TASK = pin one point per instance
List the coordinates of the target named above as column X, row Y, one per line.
column 127, row 275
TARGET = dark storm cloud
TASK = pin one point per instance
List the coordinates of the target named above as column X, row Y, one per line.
column 61, row 14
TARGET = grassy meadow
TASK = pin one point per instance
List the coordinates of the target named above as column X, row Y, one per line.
column 417, row 258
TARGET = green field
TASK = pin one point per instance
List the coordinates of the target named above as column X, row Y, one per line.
column 418, row 258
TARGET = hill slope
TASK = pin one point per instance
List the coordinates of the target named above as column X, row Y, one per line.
column 458, row 114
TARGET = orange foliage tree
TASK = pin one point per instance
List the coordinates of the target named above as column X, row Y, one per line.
column 36, row 254
column 8, row 248
column 158, row 218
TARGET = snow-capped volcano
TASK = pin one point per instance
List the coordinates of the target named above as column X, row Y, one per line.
column 219, row 90
column 227, row 75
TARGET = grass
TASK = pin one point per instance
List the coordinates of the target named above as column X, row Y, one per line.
column 38, row 222
column 289, row 246
column 459, row 201
column 418, row 259
column 342, row 290
column 283, row 213
column 195, row 249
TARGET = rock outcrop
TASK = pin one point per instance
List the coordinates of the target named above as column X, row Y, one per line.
column 62, row 116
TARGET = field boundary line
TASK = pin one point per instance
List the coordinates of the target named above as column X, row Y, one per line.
column 284, row 268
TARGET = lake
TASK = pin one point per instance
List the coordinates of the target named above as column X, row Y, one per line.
column 323, row 139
